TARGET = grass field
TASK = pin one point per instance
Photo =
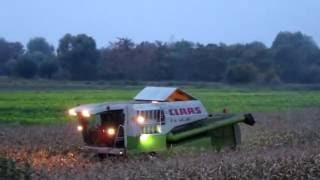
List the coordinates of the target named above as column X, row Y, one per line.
column 46, row 107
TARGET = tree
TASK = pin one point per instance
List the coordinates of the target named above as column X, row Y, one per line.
column 38, row 57
column 180, row 57
column 271, row 77
column 292, row 54
column 79, row 56
column 26, row 68
column 9, row 51
column 119, row 64
column 39, row 44
column 124, row 59
column 9, row 67
column 258, row 54
column 207, row 65
column 312, row 74
column 42, row 53
column 124, row 44
column 48, row 68
column 143, row 57
column 242, row 73
column 293, row 58
column 161, row 67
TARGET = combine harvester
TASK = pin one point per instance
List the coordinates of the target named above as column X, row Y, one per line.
column 157, row 119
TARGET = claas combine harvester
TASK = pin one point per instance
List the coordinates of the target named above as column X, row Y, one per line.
column 158, row 118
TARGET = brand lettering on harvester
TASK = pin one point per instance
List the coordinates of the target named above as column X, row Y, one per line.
column 185, row 111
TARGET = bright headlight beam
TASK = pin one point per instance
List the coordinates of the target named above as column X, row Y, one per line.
column 72, row 112
column 111, row 131
column 144, row 138
column 85, row 113
column 79, row 128
column 140, row 119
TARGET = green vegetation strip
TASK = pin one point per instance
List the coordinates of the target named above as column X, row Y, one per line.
column 46, row 107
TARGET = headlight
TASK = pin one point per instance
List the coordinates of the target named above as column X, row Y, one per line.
column 144, row 138
column 140, row 119
column 85, row 113
column 79, row 128
column 72, row 112
column 111, row 131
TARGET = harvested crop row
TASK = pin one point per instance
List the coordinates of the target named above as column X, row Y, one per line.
column 281, row 145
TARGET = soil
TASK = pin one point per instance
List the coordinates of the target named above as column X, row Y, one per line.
column 282, row 145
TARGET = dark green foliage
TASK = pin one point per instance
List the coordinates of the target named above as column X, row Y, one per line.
column 293, row 54
column 41, row 45
column 26, row 68
column 9, row 67
column 242, row 73
column 208, row 65
column 292, row 58
column 37, row 57
column 312, row 74
column 8, row 51
column 48, row 68
column 79, row 56
column 271, row 77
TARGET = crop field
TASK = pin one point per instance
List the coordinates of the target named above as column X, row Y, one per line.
column 39, row 141
column 279, row 146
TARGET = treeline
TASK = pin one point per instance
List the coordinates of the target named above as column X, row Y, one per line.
column 292, row 58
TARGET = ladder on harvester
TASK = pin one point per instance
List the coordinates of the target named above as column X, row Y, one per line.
column 119, row 138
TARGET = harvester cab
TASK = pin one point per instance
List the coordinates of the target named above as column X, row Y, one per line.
column 157, row 119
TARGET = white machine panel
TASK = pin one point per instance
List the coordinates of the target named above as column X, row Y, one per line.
column 183, row 112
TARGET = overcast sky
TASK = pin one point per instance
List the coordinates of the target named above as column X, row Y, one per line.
column 205, row 21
